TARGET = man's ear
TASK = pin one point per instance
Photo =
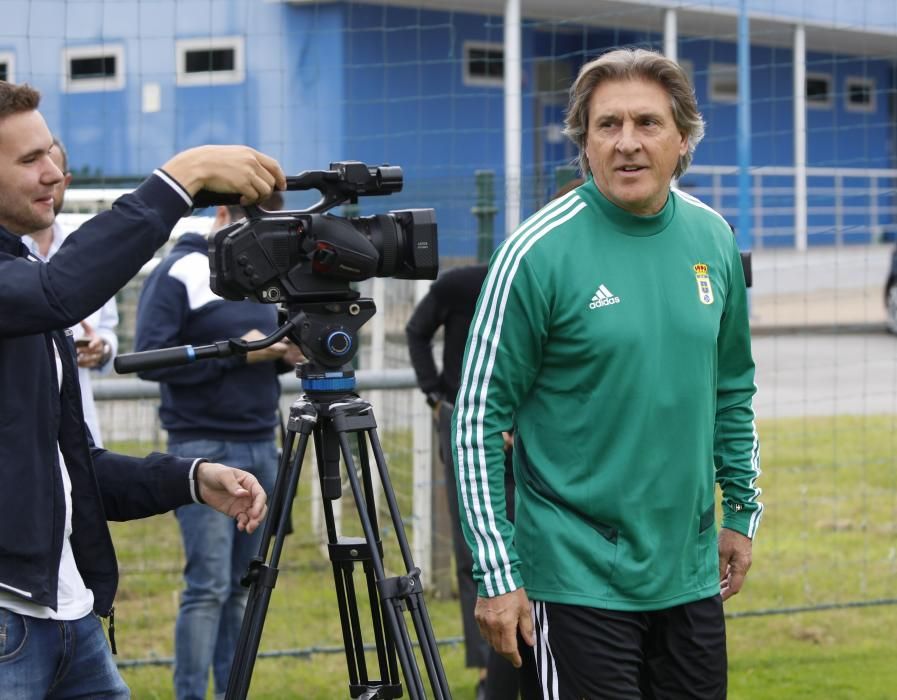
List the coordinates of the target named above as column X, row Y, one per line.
column 68, row 180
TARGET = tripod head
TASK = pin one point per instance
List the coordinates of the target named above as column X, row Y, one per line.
column 326, row 332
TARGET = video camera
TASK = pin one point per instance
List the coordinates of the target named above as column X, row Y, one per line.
column 306, row 260
column 307, row 255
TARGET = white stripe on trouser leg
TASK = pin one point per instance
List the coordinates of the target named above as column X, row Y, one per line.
column 546, row 667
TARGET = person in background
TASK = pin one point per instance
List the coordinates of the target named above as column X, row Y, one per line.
column 58, row 569
column 224, row 407
column 95, row 339
column 612, row 333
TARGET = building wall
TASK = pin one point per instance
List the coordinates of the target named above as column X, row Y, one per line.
column 406, row 103
column 872, row 15
column 347, row 80
column 285, row 105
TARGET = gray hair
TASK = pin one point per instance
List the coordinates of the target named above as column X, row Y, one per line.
column 634, row 64
column 57, row 144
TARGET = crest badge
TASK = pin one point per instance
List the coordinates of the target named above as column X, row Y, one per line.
column 705, row 289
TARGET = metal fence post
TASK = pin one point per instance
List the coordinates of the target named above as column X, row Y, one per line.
column 485, row 211
column 442, row 572
column 562, row 175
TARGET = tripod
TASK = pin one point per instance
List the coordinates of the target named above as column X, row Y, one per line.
column 330, row 411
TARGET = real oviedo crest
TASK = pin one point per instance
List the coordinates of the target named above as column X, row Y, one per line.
column 705, row 289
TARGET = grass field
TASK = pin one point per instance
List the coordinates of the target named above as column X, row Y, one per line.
column 828, row 536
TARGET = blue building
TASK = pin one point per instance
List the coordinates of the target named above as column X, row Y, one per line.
column 128, row 83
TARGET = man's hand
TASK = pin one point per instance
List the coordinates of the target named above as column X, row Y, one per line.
column 293, row 354
column 92, row 353
column 231, row 491
column 734, row 561
column 501, row 617
column 230, row 169
column 508, row 439
column 269, row 354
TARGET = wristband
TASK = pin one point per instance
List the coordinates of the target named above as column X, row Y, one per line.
column 199, row 498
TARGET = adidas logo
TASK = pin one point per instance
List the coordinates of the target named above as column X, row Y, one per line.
column 603, row 297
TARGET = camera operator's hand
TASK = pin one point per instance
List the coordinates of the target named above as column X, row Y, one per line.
column 293, row 354
column 229, row 169
column 231, row 491
column 268, row 354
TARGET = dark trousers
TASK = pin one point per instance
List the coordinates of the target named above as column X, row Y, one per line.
column 673, row 654
column 502, row 677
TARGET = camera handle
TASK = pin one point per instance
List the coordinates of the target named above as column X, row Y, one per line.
column 330, row 417
column 344, row 182
column 185, row 354
column 326, row 331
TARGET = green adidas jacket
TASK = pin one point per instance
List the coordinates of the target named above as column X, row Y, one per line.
column 618, row 347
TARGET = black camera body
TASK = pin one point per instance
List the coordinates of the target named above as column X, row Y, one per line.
column 305, row 256
column 306, row 260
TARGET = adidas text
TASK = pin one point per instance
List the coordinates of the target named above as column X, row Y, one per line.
column 598, row 303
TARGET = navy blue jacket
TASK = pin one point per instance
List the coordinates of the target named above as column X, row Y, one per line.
column 38, row 302
column 213, row 399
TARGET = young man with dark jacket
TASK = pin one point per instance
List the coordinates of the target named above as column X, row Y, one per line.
column 57, row 562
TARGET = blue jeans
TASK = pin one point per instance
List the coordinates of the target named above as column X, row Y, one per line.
column 56, row 659
column 217, row 554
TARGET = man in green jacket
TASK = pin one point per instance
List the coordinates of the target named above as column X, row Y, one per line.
column 612, row 333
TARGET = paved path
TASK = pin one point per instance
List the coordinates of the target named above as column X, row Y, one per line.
column 819, row 336
column 821, row 288
column 819, row 374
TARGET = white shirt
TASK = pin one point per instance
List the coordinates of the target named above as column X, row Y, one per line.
column 73, row 599
column 104, row 322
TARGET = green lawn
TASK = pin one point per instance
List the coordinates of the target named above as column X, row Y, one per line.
column 828, row 536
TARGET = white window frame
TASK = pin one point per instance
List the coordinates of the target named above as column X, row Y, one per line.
column 859, row 80
column 830, row 100
column 206, row 78
column 9, row 58
column 479, row 80
column 105, row 84
column 719, row 70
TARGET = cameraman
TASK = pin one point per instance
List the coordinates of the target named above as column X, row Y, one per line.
column 57, row 563
column 95, row 339
column 226, row 407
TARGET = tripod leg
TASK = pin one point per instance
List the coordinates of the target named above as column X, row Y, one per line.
column 345, row 553
column 416, row 605
column 397, row 592
column 261, row 577
column 395, row 622
column 385, row 646
column 389, row 597
column 386, row 651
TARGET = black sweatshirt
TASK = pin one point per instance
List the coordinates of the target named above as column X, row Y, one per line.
column 450, row 303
